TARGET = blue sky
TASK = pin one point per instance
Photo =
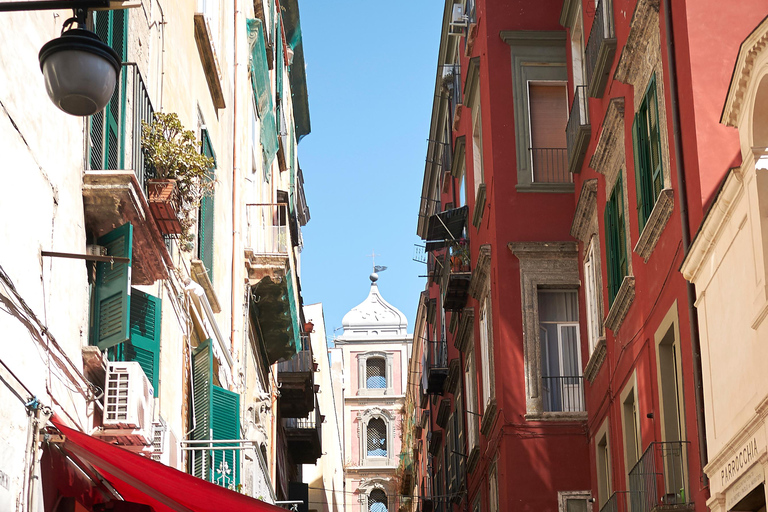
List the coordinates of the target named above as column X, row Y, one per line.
column 371, row 72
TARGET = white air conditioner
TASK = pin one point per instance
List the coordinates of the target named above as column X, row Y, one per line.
column 128, row 406
column 459, row 20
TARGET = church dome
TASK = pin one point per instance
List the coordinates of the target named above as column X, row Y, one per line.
column 374, row 318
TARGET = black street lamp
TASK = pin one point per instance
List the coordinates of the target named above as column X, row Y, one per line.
column 80, row 71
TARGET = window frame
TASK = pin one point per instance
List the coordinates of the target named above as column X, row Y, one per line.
column 363, row 421
column 616, row 239
column 649, row 176
column 362, row 366
column 592, row 295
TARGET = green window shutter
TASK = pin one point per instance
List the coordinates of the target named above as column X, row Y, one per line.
column 657, row 176
column 108, row 126
column 646, row 140
column 112, row 291
column 280, row 68
column 611, row 246
column 621, row 240
column 205, row 223
column 202, row 375
column 225, row 423
column 262, row 91
column 144, row 345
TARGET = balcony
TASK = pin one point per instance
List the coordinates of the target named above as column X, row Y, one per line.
column 455, row 284
column 267, row 241
column 563, row 394
column 114, row 185
column 435, row 440
column 274, row 317
column 659, row 480
column 220, row 462
column 618, row 502
column 304, row 437
column 446, row 227
column 295, row 378
column 550, row 165
column 437, row 367
column 601, row 47
column 578, row 130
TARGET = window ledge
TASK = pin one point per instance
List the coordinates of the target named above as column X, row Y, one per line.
column 595, row 360
column 547, row 188
column 621, row 304
column 489, row 417
column 477, row 215
column 375, row 391
column 210, row 62
column 473, row 459
column 556, row 416
column 658, row 219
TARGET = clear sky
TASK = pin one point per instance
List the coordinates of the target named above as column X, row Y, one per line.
column 371, row 70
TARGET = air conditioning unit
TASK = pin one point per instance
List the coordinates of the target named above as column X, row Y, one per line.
column 128, row 406
column 459, row 20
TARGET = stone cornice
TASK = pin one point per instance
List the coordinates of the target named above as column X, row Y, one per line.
column 457, row 165
column 609, row 152
column 624, row 298
column 533, row 37
column 584, row 210
column 595, row 360
column 750, row 49
column 655, row 224
column 479, row 280
column 568, row 13
column 538, row 250
column 473, row 77
column 461, row 341
column 644, row 21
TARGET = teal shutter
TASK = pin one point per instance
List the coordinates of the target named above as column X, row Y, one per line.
column 610, row 242
column 108, row 126
column 262, row 91
column 144, row 345
column 621, row 231
column 646, row 141
column 205, row 223
column 615, row 236
column 112, row 291
column 657, row 177
column 217, row 416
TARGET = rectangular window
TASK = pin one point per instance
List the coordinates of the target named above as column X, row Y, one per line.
column 577, row 52
column 548, row 107
column 603, row 460
column 493, row 490
column 615, row 235
column 470, row 382
column 485, row 351
column 477, row 144
column 630, row 429
column 646, row 141
column 592, row 294
column 205, row 217
column 561, row 380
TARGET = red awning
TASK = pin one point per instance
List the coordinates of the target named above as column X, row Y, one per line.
column 142, row 480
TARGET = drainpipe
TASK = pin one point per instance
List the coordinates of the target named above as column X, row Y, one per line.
column 235, row 162
column 693, row 316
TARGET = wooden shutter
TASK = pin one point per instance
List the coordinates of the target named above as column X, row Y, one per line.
column 202, row 374
column 621, row 229
column 654, row 146
column 112, row 291
column 611, row 243
column 144, row 345
column 549, row 115
column 205, row 223
column 225, row 424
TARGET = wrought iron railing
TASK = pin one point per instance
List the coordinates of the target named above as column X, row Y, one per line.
column 419, row 253
column 563, row 394
column 268, row 231
column 618, row 502
column 114, row 141
column 660, row 477
column 311, row 422
column 550, row 165
column 438, row 354
column 218, row 461
column 602, row 29
column 303, row 361
column 578, row 117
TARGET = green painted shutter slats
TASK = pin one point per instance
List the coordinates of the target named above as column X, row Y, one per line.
column 294, row 311
column 144, row 345
column 262, row 91
column 217, row 416
column 615, row 235
column 112, row 291
column 205, row 225
column 108, row 126
column 646, row 141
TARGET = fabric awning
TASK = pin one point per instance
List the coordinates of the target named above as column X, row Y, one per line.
column 142, row 480
column 446, row 226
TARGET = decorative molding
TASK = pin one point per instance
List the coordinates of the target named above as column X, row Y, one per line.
column 557, row 416
column 201, row 277
column 473, row 77
column 585, row 210
column 477, row 214
column 621, row 303
column 489, row 417
column 454, row 375
column 443, row 411
column 595, row 360
column 655, row 224
column 458, row 163
column 466, row 329
column 750, row 50
column 478, row 284
column 473, row 459
column 643, row 32
column 210, row 61
column 569, row 12
column 609, row 152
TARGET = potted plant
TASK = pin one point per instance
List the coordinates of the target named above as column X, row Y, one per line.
column 182, row 175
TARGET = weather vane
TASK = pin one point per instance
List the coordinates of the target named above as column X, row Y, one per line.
column 376, row 268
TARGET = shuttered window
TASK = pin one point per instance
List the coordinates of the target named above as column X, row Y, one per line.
column 262, row 91
column 107, row 128
column 205, row 217
column 111, row 291
column 549, row 117
column 646, row 141
column 217, row 417
column 144, row 345
column 615, row 235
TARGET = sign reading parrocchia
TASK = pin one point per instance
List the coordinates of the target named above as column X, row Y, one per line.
column 741, row 460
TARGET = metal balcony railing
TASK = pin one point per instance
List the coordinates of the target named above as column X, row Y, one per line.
column 268, row 232
column 618, row 502
column 602, row 29
column 218, row 461
column 300, row 363
column 115, row 134
column 550, row 165
column 660, row 477
column 579, row 117
column 311, row 422
column 563, row 394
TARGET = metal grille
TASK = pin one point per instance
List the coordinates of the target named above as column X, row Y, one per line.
column 375, row 376
column 377, row 501
column 116, row 401
column 377, row 438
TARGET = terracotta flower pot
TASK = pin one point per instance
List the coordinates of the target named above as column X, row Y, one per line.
column 163, row 203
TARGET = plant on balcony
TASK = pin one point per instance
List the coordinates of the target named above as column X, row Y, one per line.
column 182, row 174
column 459, row 256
